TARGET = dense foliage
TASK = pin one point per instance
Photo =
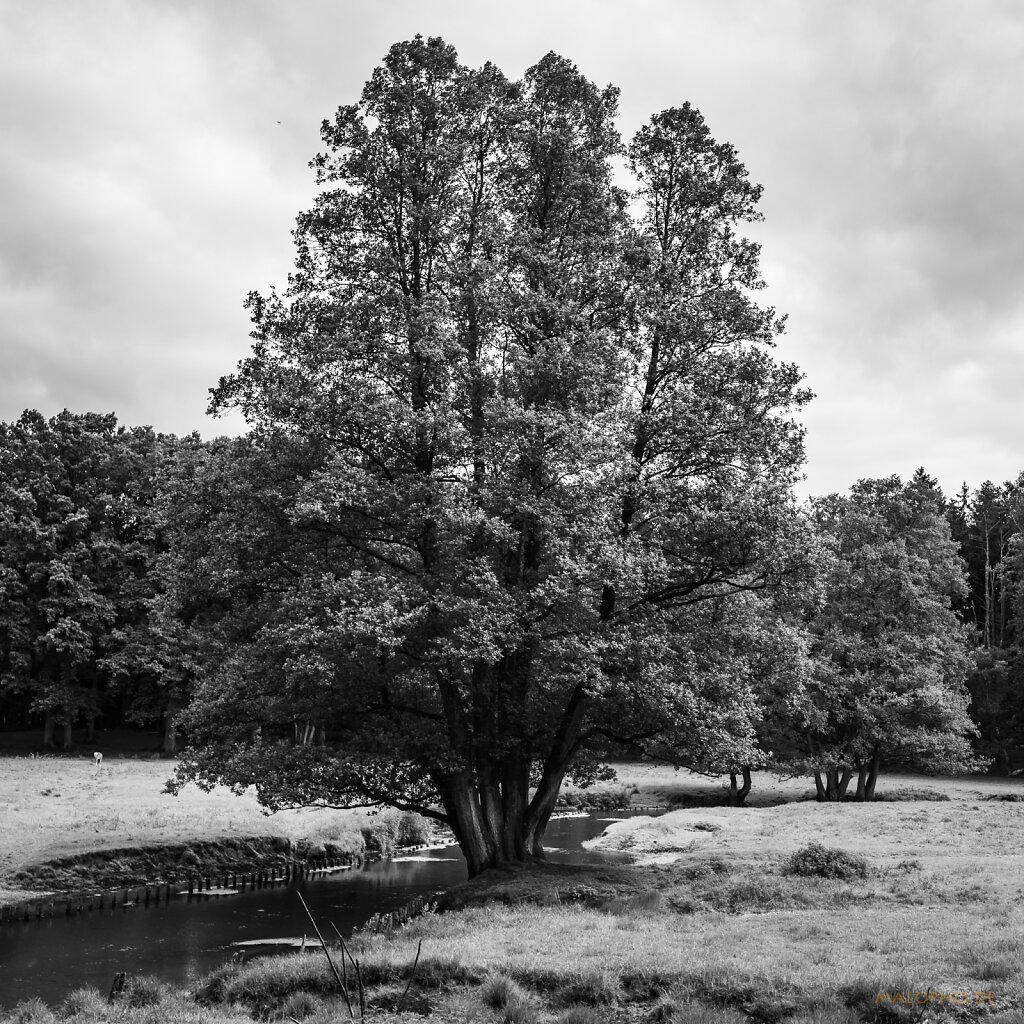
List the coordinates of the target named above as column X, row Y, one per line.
column 512, row 427
column 516, row 496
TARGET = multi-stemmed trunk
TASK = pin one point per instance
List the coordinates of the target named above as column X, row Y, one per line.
column 835, row 784
column 489, row 808
column 737, row 793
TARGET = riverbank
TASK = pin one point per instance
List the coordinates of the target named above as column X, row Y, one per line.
column 919, row 916
column 68, row 825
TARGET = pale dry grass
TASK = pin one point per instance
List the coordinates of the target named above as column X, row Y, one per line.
column 977, row 839
column 54, row 807
column 946, row 948
column 660, row 784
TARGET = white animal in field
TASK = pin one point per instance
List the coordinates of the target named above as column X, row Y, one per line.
column 97, row 759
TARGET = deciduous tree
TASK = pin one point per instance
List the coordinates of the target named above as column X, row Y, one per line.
column 510, row 425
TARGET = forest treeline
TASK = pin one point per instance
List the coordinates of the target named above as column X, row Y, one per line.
column 122, row 550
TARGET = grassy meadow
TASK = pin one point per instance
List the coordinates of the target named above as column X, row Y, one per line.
column 708, row 915
column 53, row 808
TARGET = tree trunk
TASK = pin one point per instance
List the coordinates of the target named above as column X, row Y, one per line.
column 467, row 822
column 819, row 789
column 869, row 786
column 833, row 788
column 69, row 724
column 862, row 778
column 558, row 760
column 738, row 794
column 49, row 728
column 90, row 715
column 170, row 740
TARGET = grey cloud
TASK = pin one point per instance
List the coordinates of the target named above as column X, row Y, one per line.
column 148, row 187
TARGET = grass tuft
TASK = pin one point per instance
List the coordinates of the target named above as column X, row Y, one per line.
column 30, row 1011
column 144, row 990
column 524, row 1011
column 87, row 1001
column 595, row 988
column 443, row 972
column 499, row 990
column 299, row 1005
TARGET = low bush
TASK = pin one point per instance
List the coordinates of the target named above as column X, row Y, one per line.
column 612, row 799
column 910, row 793
column 817, row 861
column 388, row 829
column 414, row 830
column 707, row 868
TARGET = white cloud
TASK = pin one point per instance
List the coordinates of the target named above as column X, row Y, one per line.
column 148, row 186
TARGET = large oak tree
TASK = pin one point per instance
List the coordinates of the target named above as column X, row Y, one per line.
column 510, row 424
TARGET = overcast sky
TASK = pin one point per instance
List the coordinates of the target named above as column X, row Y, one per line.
column 153, row 156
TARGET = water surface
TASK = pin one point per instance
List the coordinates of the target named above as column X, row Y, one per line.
column 184, row 939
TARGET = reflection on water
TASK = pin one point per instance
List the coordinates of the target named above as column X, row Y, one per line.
column 182, row 940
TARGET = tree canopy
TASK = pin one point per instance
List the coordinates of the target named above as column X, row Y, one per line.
column 510, row 424
column 889, row 657
column 75, row 554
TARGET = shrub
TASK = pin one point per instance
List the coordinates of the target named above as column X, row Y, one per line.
column 817, row 861
column 414, row 830
column 613, row 799
column 381, row 831
column 189, row 858
column 585, row 894
column 909, row 793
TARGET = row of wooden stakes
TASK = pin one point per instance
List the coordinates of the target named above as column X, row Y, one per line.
column 114, row 899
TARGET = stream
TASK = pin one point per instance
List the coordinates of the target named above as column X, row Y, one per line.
column 188, row 937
